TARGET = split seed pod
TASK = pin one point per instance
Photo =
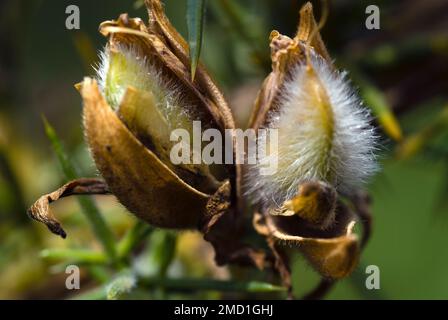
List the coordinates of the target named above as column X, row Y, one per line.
column 162, row 99
column 325, row 148
column 143, row 91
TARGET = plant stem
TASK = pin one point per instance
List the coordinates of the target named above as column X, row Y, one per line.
column 94, row 294
column 75, row 255
column 192, row 284
column 132, row 238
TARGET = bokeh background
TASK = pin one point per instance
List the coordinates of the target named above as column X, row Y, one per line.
column 401, row 71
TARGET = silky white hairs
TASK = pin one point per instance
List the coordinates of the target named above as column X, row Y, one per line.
column 304, row 143
column 131, row 69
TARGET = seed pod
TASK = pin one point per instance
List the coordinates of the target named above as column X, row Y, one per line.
column 143, row 92
column 149, row 86
column 134, row 174
column 325, row 147
column 323, row 130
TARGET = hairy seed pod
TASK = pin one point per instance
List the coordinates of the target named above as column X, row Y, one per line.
column 149, row 93
column 143, row 91
column 325, row 148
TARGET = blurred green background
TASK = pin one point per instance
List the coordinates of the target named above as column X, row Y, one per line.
column 401, row 71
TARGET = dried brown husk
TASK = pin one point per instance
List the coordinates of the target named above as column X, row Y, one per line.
column 153, row 189
column 150, row 188
column 286, row 53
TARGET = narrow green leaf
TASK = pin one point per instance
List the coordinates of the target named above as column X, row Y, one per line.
column 234, row 17
column 88, row 206
column 195, row 24
column 417, row 141
column 132, row 238
column 163, row 251
column 377, row 102
column 75, row 255
column 94, row 294
column 15, row 191
column 67, row 168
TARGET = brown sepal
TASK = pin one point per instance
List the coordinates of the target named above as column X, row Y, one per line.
column 40, row 210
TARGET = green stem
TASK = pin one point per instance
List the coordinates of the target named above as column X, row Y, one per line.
column 75, row 255
column 132, row 238
column 210, row 285
column 10, row 177
column 94, row 294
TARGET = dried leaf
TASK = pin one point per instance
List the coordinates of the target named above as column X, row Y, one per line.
column 40, row 210
column 281, row 264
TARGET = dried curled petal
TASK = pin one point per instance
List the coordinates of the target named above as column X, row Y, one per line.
column 40, row 210
column 334, row 253
column 315, row 202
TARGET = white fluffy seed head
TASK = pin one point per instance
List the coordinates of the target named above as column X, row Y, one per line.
column 125, row 67
column 333, row 143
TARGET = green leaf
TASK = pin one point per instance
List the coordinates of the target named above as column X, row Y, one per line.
column 132, row 238
column 88, row 206
column 377, row 102
column 94, row 294
column 195, row 24
column 163, row 251
column 416, row 142
column 235, row 17
column 80, row 256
